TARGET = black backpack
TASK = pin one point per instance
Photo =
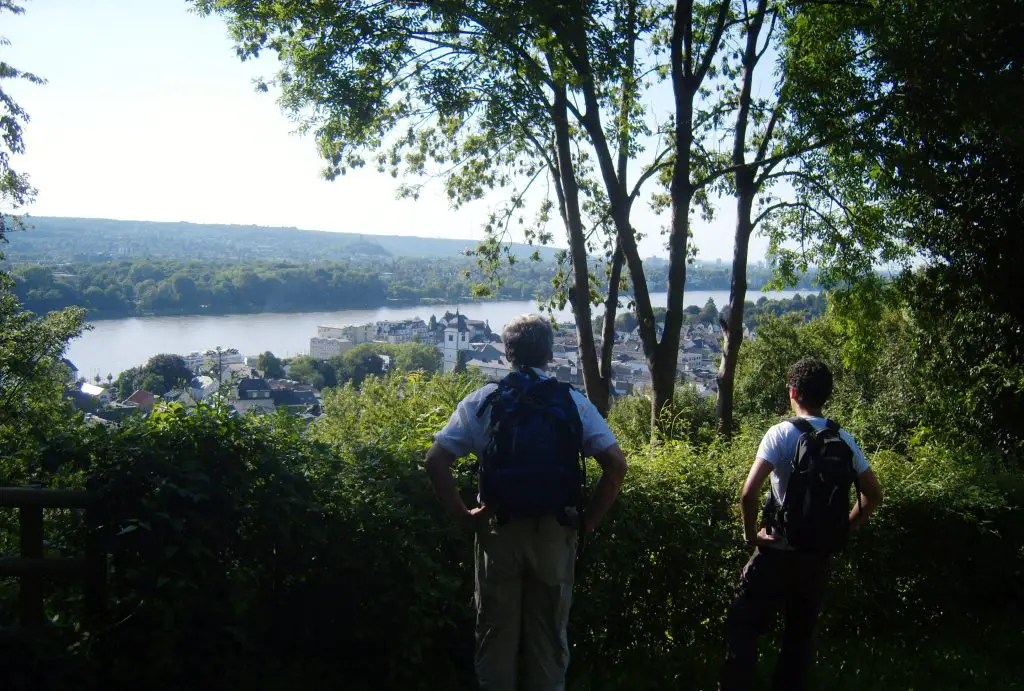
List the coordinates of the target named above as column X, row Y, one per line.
column 814, row 517
column 533, row 463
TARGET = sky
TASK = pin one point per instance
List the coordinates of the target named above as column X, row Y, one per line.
column 148, row 114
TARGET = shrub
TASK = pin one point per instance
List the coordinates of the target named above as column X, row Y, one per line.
column 256, row 553
column 690, row 417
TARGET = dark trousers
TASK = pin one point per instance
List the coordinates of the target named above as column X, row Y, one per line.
column 773, row 581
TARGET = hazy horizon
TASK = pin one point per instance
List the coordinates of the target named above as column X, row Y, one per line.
column 149, row 115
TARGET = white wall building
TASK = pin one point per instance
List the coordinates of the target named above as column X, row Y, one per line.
column 356, row 333
column 197, row 361
column 323, row 348
column 202, row 387
column 96, row 391
column 405, row 331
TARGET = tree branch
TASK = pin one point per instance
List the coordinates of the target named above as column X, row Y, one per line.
column 762, row 149
column 820, row 185
column 611, row 304
column 793, row 205
column 768, row 37
column 712, row 47
column 656, row 166
column 769, row 162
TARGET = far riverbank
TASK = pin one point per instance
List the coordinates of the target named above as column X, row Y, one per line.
column 114, row 345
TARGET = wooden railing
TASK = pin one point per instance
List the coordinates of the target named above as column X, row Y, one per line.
column 33, row 569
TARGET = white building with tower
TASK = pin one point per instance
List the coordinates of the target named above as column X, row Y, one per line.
column 455, row 339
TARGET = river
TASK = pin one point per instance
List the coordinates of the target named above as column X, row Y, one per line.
column 114, row 345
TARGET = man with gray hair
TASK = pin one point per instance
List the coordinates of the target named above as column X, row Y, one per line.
column 531, row 434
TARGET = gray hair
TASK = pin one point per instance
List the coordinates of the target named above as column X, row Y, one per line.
column 529, row 341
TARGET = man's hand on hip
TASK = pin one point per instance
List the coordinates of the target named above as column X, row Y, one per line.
column 476, row 518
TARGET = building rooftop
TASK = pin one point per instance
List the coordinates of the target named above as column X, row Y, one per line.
column 92, row 389
column 142, row 398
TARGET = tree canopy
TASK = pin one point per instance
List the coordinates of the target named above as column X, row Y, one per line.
column 270, row 365
column 160, row 374
column 920, row 103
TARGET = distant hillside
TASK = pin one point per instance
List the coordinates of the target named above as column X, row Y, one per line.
column 95, row 239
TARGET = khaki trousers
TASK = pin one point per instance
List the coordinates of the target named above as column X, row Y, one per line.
column 524, row 578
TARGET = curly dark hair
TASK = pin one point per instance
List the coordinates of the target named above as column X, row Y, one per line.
column 812, row 380
column 529, row 341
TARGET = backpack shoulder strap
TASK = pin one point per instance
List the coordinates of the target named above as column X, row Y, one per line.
column 572, row 412
column 802, row 425
column 832, row 426
column 503, row 385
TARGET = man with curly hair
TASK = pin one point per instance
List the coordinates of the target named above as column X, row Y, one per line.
column 789, row 569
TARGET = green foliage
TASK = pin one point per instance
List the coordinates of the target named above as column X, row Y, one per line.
column 417, row 357
column 761, row 371
column 160, row 374
column 171, row 369
column 808, row 307
column 247, row 552
column 269, row 546
column 128, row 288
column 15, row 188
column 690, row 419
column 125, row 383
column 363, row 361
column 152, row 383
column 900, row 371
column 401, row 413
column 917, row 102
column 270, row 365
column 210, row 517
column 972, row 355
column 85, row 240
column 709, row 313
column 357, row 364
column 311, row 371
column 30, row 351
column 166, row 287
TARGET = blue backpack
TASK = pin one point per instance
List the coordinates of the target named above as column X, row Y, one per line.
column 533, row 463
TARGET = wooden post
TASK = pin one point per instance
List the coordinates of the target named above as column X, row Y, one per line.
column 32, row 614
column 96, row 572
column 32, row 568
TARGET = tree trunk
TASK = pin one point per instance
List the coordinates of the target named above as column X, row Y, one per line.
column 687, row 77
column 567, row 188
column 619, row 201
column 611, row 306
column 746, row 190
column 732, row 326
column 666, row 356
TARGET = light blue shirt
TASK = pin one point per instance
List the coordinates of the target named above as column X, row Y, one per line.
column 467, row 432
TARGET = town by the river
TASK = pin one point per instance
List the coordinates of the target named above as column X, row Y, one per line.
column 112, row 346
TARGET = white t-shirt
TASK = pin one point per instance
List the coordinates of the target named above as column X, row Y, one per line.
column 778, row 447
column 467, row 432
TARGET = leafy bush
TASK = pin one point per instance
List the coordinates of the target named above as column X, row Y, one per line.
column 255, row 552
column 690, row 417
